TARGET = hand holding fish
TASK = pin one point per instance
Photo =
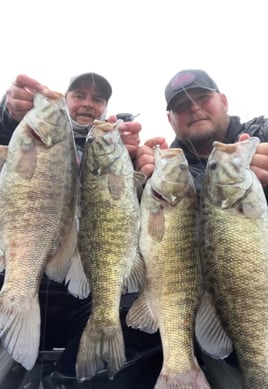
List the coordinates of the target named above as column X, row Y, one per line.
column 259, row 163
column 145, row 155
column 130, row 135
column 19, row 97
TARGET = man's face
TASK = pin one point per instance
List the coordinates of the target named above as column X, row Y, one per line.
column 198, row 115
column 85, row 104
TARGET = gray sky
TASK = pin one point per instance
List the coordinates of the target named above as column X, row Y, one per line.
column 138, row 46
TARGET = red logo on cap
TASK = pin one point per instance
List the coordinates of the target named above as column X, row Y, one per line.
column 182, row 80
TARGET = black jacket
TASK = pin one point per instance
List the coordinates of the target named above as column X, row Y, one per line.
column 7, row 124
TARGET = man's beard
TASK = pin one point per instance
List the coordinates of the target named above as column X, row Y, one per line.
column 202, row 143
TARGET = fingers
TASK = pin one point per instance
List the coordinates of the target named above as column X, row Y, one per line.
column 145, row 160
column 262, row 150
column 157, row 141
column 259, row 163
column 18, row 93
column 243, row 137
column 130, row 135
column 132, row 150
column 30, row 85
column 23, row 81
column 129, row 128
column 112, row 119
column 19, row 97
column 18, row 101
column 262, row 174
column 145, row 155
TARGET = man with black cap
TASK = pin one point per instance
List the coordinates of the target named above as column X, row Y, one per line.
column 198, row 114
column 87, row 98
column 63, row 316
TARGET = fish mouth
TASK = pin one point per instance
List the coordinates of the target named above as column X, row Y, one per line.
column 34, row 135
column 171, row 200
column 157, row 195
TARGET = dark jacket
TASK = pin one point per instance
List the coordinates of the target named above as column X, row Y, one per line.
column 256, row 127
column 7, row 124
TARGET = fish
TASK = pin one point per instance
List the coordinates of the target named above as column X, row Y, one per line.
column 38, row 221
column 108, row 245
column 171, row 292
column 234, row 252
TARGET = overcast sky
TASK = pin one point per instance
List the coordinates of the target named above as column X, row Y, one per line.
column 138, row 45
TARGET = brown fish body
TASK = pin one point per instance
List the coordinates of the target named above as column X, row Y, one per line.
column 171, row 291
column 37, row 202
column 108, row 240
column 235, row 252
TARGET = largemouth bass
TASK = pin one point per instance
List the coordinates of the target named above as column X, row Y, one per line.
column 108, row 242
column 38, row 229
column 235, row 252
column 171, row 292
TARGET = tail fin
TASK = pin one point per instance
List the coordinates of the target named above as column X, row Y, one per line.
column 100, row 348
column 20, row 329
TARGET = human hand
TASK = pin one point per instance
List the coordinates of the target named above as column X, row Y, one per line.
column 130, row 135
column 259, row 163
column 145, row 155
column 19, row 97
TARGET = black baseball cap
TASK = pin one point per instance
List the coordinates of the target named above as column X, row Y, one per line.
column 188, row 79
column 98, row 81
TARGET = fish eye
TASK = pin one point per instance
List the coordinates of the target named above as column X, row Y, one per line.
column 183, row 166
column 89, row 139
column 213, row 165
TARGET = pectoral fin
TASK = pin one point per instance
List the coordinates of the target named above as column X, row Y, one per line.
column 156, row 224
column 65, row 263
column 135, row 279
column 26, row 160
column 116, row 186
column 141, row 317
column 209, row 331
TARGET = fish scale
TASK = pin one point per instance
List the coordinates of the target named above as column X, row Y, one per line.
column 235, row 253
